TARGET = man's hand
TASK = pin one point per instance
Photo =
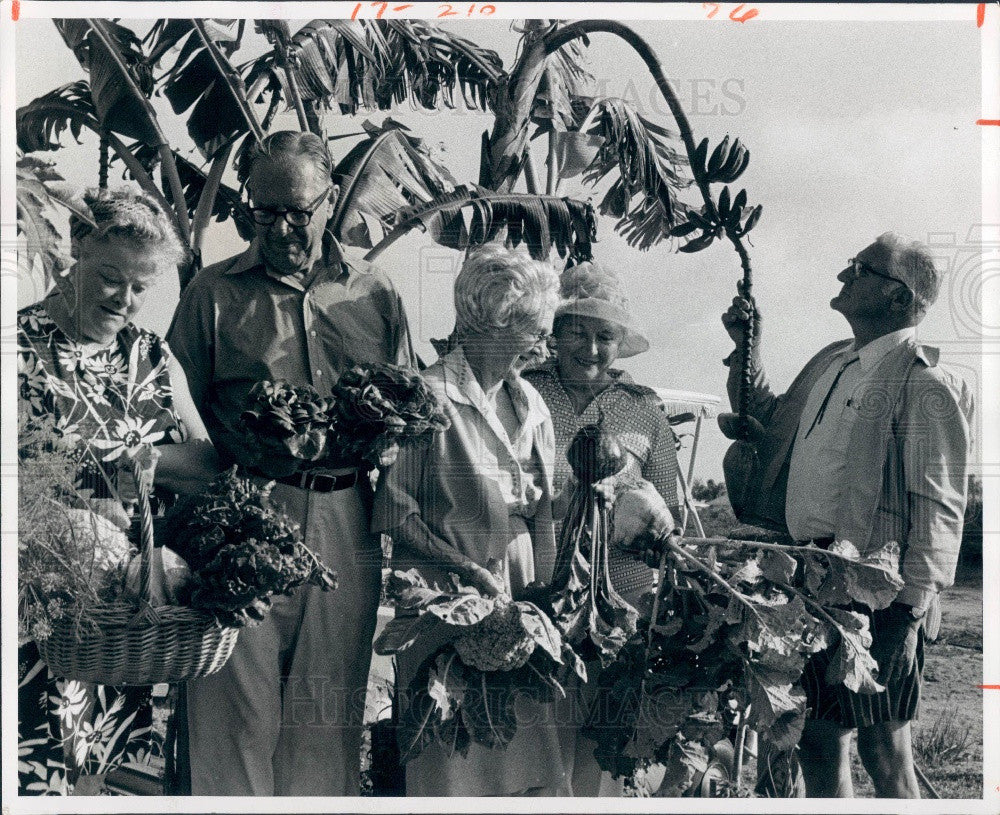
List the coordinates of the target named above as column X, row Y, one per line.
column 737, row 318
column 895, row 645
column 730, row 425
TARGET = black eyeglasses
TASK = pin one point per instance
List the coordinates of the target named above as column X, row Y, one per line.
column 859, row 267
column 293, row 217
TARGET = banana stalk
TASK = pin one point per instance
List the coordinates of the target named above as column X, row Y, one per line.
column 702, row 176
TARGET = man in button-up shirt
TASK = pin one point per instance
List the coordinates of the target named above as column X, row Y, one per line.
column 870, row 444
column 284, row 715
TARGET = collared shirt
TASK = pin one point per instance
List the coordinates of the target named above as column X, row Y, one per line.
column 468, row 481
column 504, row 458
column 818, row 467
column 238, row 323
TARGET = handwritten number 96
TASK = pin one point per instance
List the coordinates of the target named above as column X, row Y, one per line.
column 734, row 15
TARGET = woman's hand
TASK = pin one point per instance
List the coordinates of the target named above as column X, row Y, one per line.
column 146, row 457
column 641, row 511
column 135, row 471
column 483, row 580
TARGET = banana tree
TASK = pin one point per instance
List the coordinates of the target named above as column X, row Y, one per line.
column 116, row 104
column 729, row 216
column 348, row 66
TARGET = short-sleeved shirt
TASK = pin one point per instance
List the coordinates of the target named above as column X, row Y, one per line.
column 472, row 484
column 634, row 414
column 239, row 323
column 819, row 466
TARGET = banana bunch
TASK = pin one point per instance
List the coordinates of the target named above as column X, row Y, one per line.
column 725, row 165
column 731, row 215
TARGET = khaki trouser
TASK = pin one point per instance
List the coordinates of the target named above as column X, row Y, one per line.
column 284, row 716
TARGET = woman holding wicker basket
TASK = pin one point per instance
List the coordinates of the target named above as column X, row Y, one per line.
column 108, row 395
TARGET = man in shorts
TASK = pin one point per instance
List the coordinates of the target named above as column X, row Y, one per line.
column 869, row 445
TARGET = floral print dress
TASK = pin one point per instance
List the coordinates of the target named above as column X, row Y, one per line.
column 107, row 401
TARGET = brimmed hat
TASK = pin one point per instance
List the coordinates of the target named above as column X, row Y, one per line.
column 590, row 290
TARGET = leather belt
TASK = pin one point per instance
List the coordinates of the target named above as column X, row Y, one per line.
column 320, row 482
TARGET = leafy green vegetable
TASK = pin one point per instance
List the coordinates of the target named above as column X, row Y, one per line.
column 740, row 622
column 370, row 412
column 377, row 407
column 241, row 550
column 287, row 426
column 590, row 614
column 496, row 651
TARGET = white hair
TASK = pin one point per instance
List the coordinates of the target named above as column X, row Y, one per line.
column 912, row 262
column 132, row 216
column 501, row 289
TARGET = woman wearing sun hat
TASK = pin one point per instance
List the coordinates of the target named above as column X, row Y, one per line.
column 593, row 328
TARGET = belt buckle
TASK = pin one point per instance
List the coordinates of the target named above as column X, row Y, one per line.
column 323, row 482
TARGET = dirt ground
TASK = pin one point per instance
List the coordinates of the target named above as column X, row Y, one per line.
column 948, row 737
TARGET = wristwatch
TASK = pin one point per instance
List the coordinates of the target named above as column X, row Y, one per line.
column 915, row 613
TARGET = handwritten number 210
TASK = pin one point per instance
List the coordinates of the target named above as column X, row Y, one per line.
column 445, row 10
column 734, row 15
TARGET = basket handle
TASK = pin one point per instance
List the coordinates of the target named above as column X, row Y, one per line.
column 150, row 577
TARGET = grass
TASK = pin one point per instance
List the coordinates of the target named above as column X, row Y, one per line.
column 948, row 738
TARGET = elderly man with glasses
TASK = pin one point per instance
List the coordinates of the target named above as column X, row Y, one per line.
column 284, row 716
column 870, row 444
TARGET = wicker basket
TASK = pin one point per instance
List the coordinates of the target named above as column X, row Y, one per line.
column 139, row 645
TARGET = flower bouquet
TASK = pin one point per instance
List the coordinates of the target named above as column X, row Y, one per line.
column 490, row 652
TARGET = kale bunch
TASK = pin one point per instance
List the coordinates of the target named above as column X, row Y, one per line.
column 286, row 425
column 377, row 407
column 241, row 550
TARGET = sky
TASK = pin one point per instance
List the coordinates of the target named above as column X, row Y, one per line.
column 854, row 128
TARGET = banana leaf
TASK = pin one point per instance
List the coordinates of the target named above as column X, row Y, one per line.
column 41, row 123
column 203, row 83
column 540, row 222
column 566, row 87
column 435, row 64
column 42, row 239
column 388, row 171
column 323, row 58
column 120, row 78
column 166, row 35
column 354, row 64
column 227, row 202
column 644, row 195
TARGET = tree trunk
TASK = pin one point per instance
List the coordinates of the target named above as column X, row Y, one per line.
column 504, row 149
